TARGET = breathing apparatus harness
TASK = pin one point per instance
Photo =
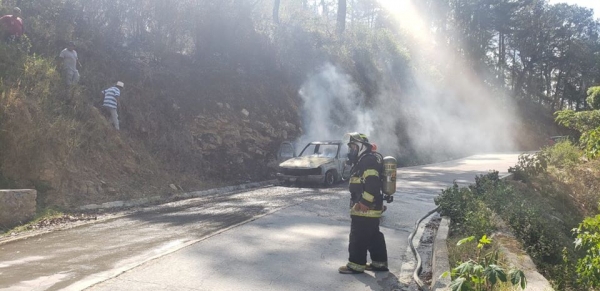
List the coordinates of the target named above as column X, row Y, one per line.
column 386, row 166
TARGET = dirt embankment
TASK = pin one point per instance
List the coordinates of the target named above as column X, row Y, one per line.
column 192, row 130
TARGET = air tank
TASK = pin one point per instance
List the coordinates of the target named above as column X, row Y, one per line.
column 389, row 175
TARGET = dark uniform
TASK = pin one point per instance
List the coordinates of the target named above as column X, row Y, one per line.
column 365, row 187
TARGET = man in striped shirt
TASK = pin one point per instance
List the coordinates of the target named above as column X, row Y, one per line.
column 111, row 96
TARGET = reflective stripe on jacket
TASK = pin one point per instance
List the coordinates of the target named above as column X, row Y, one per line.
column 365, row 186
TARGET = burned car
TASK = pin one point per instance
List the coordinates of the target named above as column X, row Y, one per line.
column 320, row 161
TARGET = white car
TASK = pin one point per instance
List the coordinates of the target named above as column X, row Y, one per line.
column 320, row 161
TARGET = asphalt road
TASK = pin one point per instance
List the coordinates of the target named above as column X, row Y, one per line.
column 273, row 238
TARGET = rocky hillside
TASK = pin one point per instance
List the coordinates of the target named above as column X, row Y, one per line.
column 210, row 93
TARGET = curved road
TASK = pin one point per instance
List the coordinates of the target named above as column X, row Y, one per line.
column 272, row 238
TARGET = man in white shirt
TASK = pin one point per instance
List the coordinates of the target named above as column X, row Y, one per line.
column 69, row 64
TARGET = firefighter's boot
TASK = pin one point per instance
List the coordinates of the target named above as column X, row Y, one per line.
column 377, row 267
column 348, row 270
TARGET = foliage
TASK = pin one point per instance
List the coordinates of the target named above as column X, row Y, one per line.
column 563, row 154
column 468, row 213
column 591, row 141
column 483, row 272
column 537, row 51
column 538, row 215
column 529, row 166
column 588, row 239
column 182, row 62
column 454, row 202
column 581, row 121
column 588, row 124
column 593, row 98
column 483, row 181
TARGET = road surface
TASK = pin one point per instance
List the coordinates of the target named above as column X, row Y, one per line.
column 272, row 238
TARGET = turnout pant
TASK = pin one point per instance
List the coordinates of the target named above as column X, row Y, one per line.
column 365, row 236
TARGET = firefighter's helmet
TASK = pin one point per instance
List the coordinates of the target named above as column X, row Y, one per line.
column 358, row 144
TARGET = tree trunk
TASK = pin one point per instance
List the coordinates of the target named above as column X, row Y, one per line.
column 501, row 58
column 557, row 98
column 276, row 4
column 341, row 16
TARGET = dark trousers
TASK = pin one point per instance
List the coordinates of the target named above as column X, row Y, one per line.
column 365, row 236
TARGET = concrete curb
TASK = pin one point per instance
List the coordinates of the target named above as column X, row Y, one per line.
column 441, row 263
column 161, row 199
column 512, row 249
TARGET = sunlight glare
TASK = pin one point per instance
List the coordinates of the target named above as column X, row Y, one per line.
column 408, row 18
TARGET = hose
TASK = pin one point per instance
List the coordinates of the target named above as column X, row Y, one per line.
column 419, row 268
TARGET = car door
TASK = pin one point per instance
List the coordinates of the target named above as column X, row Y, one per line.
column 343, row 168
column 286, row 151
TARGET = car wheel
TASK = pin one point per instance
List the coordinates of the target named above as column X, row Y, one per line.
column 329, row 178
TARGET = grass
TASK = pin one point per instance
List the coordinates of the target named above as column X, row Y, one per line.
column 44, row 214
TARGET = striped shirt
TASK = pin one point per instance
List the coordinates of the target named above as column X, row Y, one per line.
column 110, row 97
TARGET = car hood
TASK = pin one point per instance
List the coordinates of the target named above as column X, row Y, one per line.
column 306, row 162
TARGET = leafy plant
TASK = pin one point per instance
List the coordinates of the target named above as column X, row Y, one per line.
column 484, row 272
column 562, row 154
column 581, row 121
column 586, row 122
column 593, row 98
column 455, row 202
column 482, row 181
column 529, row 166
column 465, row 208
column 588, row 239
column 591, row 141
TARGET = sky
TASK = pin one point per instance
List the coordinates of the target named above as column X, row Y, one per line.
column 594, row 4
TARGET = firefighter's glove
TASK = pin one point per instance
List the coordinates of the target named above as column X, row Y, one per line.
column 361, row 207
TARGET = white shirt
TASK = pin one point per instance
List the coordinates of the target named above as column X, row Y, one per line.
column 70, row 59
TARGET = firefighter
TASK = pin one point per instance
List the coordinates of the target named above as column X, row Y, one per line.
column 366, row 206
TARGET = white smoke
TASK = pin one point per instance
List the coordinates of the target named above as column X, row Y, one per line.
column 447, row 111
column 436, row 120
column 333, row 105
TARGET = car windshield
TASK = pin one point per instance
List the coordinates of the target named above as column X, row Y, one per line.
column 320, row 150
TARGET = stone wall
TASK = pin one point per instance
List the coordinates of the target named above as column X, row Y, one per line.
column 16, row 207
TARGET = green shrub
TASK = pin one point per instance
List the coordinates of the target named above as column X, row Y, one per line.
column 562, row 154
column 483, row 182
column 587, row 123
column 593, row 98
column 540, row 236
column 479, row 221
column 581, row 121
column 529, row 166
column 455, row 202
column 538, row 213
column 588, row 239
column 591, row 141
column 468, row 213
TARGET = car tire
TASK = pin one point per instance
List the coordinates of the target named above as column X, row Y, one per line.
column 330, row 178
